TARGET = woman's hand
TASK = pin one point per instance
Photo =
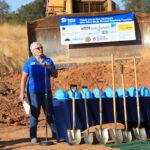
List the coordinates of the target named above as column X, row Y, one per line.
column 23, row 85
column 54, row 72
column 22, row 97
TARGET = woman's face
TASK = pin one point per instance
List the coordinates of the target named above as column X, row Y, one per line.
column 38, row 51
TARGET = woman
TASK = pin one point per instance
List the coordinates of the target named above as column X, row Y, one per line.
column 34, row 74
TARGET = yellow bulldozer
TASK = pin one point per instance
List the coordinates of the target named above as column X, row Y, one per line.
column 78, row 32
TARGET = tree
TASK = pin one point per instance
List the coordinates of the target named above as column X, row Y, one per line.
column 4, row 10
column 31, row 11
column 137, row 5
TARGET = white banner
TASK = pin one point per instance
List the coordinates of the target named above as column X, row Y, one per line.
column 96, row 29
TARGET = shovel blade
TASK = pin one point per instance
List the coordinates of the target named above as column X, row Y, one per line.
column 102, row 135
column 127, row 136
column 74, row 136
column 119, row 136
column 136, row 133
column 142, row 133
column 88, row 138
column 116, row 135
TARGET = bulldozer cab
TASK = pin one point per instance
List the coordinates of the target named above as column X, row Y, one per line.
column 57, row 7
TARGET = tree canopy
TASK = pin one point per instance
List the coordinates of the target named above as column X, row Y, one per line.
column 137, row 5
column 4, row 10
column 29, row 12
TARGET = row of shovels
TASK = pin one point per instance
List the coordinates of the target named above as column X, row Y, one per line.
column 102, row 135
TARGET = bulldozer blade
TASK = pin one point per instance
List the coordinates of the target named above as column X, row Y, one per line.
column 102, row 135
column 74, row 137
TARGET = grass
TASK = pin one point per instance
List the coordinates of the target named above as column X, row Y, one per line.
column 13, row 49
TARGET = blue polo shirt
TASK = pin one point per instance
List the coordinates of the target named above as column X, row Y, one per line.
column 36, row 73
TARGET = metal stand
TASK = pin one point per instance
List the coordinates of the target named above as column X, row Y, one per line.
column 46, row 141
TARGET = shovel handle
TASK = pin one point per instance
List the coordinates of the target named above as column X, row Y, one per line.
column 73, row 86
column 100, row 108
column 114, row 97
column 86, row 107
column 124, row 97
column 121, row 68
column 137, row 94
column 84, row 87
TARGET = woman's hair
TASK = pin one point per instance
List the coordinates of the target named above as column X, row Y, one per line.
column 33, row 46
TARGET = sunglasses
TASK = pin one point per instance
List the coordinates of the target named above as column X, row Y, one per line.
column 39, row 48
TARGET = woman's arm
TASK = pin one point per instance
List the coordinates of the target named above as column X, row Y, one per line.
column 24, row 78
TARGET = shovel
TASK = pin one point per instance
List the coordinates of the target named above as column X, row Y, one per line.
column 74, row 135
column 139, row 133
column 115, row 133
column 127, row 136
column 88, row 137
column 102, row 135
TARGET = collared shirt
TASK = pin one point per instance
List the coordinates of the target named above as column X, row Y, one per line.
column 36, row 73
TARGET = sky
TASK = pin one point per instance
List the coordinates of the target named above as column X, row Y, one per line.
column 15, row 4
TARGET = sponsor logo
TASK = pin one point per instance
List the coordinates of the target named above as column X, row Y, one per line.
column 85, row 28
column 94, row 38
column 71, row 20
column 67, row 39
column 101, row 38
column 88, row 39
column 63, row 28
column 78, row 39
column 63, row 20
column 105, row 32
column 113, row 25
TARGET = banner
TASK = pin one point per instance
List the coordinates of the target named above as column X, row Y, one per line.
column 97, row 29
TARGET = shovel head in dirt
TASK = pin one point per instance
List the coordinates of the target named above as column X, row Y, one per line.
column 139, row 133
column 74, row 137
column 102, row 135
column 88, row 138
column 116, row 135
column 127, row 136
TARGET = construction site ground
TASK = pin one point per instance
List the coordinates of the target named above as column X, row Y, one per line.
column 14, row 123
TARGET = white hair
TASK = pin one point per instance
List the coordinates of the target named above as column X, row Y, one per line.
column 33, row 46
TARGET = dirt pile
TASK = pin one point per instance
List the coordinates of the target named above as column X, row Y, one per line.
column 11, row 110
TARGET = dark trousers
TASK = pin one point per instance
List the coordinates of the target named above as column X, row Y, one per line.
column 36, row 100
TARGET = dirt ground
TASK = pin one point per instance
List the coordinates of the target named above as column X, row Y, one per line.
column 14, row 124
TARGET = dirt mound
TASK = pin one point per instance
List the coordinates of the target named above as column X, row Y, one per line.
column 11, row 110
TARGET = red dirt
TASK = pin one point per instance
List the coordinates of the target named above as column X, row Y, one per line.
column 14, row 124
